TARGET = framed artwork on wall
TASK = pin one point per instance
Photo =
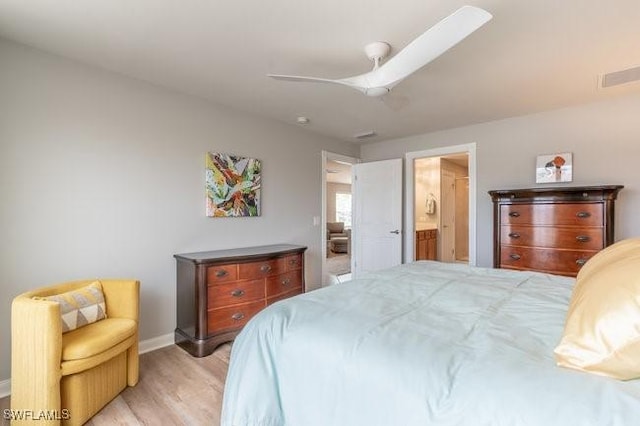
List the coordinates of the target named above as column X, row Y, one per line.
column 554, row 168
column 232, row 185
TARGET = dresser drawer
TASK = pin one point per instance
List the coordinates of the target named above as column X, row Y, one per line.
column 260, row 269
column 293, row 262
column 234, row 293
column 284, row 283
column 564, row 262
column 549, row 237
column 283, row 296
column 577, row 214
column 233, row 317
column 222, row 273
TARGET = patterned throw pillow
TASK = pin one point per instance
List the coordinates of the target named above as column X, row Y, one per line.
column 80, row 307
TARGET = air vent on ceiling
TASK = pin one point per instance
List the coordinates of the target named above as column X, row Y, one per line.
column 365, row 135
column 620, row 77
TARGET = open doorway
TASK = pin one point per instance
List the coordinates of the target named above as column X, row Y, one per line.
column 440, row 205
column 337, row 217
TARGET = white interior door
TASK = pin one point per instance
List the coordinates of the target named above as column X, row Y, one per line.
column 377, row 216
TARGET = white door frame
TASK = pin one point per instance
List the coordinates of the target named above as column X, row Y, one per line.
column 328, row 156
column 409, row 226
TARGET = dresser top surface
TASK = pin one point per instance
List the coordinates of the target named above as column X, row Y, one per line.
column 240, row 253
column 569, row 192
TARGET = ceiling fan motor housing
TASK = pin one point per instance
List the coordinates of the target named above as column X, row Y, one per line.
column 377, row 50
column 376, row 91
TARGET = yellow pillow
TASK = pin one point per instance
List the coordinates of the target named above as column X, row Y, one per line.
column 605, row 256
column 80, row 307
column 602, row 331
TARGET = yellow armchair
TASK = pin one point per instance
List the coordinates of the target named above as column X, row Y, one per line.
column 67, row 378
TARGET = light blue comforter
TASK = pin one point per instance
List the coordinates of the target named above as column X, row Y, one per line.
column 420, row 344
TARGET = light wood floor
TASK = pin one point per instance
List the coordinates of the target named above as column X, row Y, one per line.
column 174, row 389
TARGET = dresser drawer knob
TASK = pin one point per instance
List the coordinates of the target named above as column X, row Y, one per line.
column 514, row 235
column 581, row 262
column 286, row 282
column 237, row 316
column 515, row 256
column 221, row 273
column 583, row 238
column 237, row 293
column 514, row 214
column 293, row 262
column 265, row 268
column 583, row 215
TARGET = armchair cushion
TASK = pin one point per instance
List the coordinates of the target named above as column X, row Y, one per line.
column 79, row 307
column 96, row 338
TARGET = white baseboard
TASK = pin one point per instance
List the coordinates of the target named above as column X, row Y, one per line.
column 155, row 343
column 5, row 388
column 143, row 347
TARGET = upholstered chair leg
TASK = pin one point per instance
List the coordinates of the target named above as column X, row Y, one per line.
column 133, row 364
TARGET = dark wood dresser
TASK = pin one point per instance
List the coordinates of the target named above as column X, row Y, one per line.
column 553, row 230
column 427, row 244
column 219, row 291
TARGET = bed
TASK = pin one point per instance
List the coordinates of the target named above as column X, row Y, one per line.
column 425, row 343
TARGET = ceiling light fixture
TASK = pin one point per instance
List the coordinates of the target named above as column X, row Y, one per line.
column 302, row 120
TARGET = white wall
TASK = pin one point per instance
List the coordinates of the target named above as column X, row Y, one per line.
column 103, row 176
column 604, row 138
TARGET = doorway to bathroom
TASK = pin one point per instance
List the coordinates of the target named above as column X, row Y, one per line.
column 440, row 200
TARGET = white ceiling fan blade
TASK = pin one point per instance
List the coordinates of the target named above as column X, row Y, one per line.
column 358, row 82
column 428, row 46
column 343, row 81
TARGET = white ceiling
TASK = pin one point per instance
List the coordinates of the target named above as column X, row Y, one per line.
column 338, row 172
column 533, row 55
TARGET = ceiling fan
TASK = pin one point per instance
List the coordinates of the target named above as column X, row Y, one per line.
column 424, row 49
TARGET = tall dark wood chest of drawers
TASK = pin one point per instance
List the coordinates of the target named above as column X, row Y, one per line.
column 553, row 230
column 219, row 291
